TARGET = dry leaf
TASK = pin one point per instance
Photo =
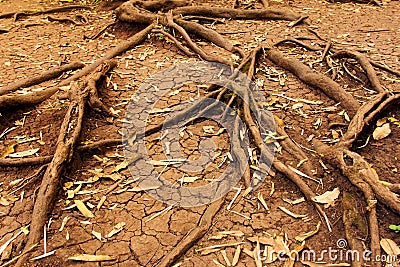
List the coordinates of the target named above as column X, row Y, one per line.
column 261, row 199
column 87, row 257
column 314, row 264
column 227, row 261
column 236, row 256
column 390, row 247
column 328, row 197
column 294, row 202
column 294, row 215
column 8, row 151
column 121, row 166
column 64, row 222
column 4, row 201
column 83, row 209
column 22, row 154
column 117, row 228
column 304, row 236
column 97, row 234
column 189, row 179
column 381, row 132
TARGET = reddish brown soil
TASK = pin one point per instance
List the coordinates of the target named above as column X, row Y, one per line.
column 34, row 45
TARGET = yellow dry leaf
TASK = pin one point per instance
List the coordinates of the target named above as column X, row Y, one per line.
column 390, row 247
column 381, row 132
column 83, row 209
column 121, row 166
column 8, row 151
column 304, row 236
column 292, row 214
column 88, row 257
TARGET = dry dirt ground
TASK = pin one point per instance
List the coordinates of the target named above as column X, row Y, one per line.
column 35, row 44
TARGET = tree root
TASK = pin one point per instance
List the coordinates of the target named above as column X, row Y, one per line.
column 307, row 75
column 124, row 46
column 194, row 235
column 19, row 14
column 365, row 65
column 219, row 12
column 45, row 76
column 67, row 139
column 24, row 100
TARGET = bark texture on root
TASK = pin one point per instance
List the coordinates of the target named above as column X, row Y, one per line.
column 65, row 147
column 16, row 15
column 194, row 235
column 310, row 77
column 45, row 76
column 365, row 65
column 24, row 100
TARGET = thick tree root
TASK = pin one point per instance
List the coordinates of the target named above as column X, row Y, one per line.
column 194, row 235
column 48, row 75
column 67, row 139
column 24, row 100
column 365, row 64
column 19, row 14
column 307, row 75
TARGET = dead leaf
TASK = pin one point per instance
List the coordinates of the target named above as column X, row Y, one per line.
column 381, row 132
column 189, row 179
column 328, row 197
column 304, row 236
column 8, row 151
column 236, row 256
column 97, row 234
column 116, row 229
column 294, row 215
column 4, row 201
column 83, row 209
column 121, row 166
column 390, row 247
column 88, row 257
column 22, row 154
column 261, row 199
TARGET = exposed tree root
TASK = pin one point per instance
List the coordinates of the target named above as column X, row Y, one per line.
column 172, row 13
column 67, row 139
column 25, row 162
column 307, row 75
column 124, row 46
column 24, row 100
column 45, row 76
column 194, row 235
column 366, row 65
column 19, row 14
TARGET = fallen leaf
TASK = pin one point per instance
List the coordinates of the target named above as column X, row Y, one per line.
column 88, row 257
column 83, row 209
column 304, row 236
column 236, row 256
column 4, row 201
column 294, row 202
column 328, row 197
column 294, row 215
column 8, row 151
column 189, row 179
column 389, row 246
column 116, row 229
column 97, row 234
column 121, row 166
column 381, row 132
column 22, row 154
